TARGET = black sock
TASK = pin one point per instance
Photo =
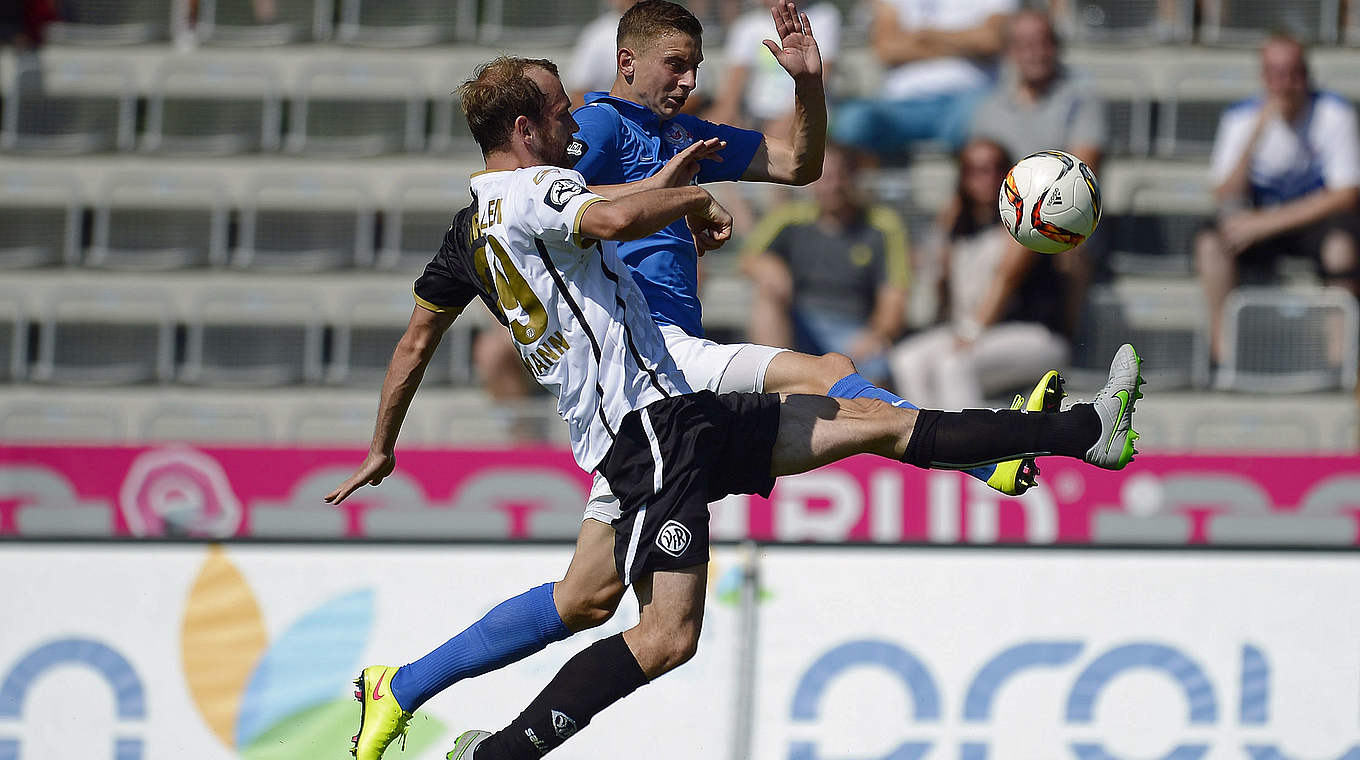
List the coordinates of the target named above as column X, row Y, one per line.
column 597, row 677
column 974, row 437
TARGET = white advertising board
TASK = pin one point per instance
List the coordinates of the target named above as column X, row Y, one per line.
column 1026, row 655
column 152, row 652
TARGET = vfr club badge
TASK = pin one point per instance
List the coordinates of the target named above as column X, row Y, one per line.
column 561, row 191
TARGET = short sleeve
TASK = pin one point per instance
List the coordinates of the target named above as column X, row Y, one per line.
column 742, row 145
column 558, row 198
column 1088, row 121
column 446, row 285
column 770, row 235
column 1234, row 130
column 598, row 130
column 1341, row 154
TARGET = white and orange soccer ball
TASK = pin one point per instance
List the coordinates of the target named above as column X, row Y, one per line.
column 1050, row 201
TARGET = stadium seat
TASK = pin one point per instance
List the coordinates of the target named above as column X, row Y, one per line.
column 61, row 421
column 252, row 338
column 450, row 132
column 1165, row 326
column 1128, row 97
column 525, row 21
column 1155, row 236
column 1289, row 341
column 1124, row 21
column 367, row 333
column 113, row 22
column 304, row 222
column 1198, row 97
column 156, row 221
column 74, row 106
column 213, row 107
column 338, row 424
column 352, row 108
column 106, row 337
column 405, row 23
column 235, row 22
column 416, row 218
column 1247, row 22
column 13, row 337
column 40, row 215
column 206, row 423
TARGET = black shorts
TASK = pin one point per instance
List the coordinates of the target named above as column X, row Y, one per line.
column 671, row 459
column 1256, row 263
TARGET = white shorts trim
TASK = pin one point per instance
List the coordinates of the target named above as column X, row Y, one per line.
column 705, row 364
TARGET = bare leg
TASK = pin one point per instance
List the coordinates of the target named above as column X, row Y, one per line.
column 671, row 604
column 816, row 430
column 792, row 372
column 591, row 590
column 1218, row 275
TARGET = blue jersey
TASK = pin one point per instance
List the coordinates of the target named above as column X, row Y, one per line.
column 625, row 142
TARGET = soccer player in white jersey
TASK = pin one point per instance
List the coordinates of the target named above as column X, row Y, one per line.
column 536, row 247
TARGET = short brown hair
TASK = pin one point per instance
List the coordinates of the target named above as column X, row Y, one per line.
column 650, row 20
column 499, row 92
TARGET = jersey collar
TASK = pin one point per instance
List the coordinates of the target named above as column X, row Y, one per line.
column 635, row 112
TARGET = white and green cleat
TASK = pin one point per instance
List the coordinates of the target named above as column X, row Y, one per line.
column 465, row 746
column 1114, row 406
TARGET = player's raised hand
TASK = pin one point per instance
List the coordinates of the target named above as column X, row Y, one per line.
column 711, row 226
column 683, row 166
column 376, row 466
column 796, row 49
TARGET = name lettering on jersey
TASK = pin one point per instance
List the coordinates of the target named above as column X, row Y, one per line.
column 541, row 360
column 487, row 216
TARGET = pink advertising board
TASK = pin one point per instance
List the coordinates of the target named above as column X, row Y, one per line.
column 95, row 491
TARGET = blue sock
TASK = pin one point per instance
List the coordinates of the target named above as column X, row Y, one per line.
column 855, row 386
column 511, row 631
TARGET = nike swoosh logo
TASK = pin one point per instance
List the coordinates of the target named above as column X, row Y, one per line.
column 1123, row 397
column 377, row 686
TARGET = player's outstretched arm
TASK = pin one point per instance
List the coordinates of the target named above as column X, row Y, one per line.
column 404, row 373
column 641, row 214
column 795, row 158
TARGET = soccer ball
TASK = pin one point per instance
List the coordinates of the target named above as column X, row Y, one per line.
column 1050, row 201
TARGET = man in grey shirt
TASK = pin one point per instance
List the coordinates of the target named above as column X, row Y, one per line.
column 1037, row 105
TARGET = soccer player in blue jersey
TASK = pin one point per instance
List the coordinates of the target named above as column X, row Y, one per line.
column 631, row 134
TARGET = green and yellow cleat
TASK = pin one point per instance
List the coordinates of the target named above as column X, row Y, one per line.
column 1114, row 406
column 381, row 719
column 1019, row 475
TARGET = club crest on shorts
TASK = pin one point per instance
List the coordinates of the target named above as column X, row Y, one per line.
column 563, row 725
column 673, row 538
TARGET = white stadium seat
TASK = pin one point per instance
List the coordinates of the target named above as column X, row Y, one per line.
column 1289, row 341
column 213, row 107
column 40, row 214
column 405, row 23
column 250, row 338
column 357, row 108
column 236, row 22
column 303, row 222
column 106, row 337
column 153, row 221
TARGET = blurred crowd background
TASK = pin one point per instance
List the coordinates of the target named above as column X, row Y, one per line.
column 211, row 210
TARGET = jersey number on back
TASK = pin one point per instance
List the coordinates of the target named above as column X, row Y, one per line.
column 512, row 292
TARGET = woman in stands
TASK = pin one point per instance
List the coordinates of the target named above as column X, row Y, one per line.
column 1002, row 306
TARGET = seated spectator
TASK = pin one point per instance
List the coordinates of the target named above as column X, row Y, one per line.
column 1038, row 106
column 941, row 60
column 755, row 92
column 1286, row 170
column 593, row 59
column 830, row 276
column 1002, row 303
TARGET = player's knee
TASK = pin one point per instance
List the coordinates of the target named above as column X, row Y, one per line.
column 585, row 609
column 678, row 645
column 831, row 368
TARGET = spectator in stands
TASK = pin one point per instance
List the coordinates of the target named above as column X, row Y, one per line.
column 830, row 275
column 754, row 91
column 1286, row 173
column 507, row 384
column 1038, row 106
column 1002, row 303
column 941, row 60
column 593, row 63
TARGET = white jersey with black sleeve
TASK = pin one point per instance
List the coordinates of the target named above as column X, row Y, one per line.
column 581, row 325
